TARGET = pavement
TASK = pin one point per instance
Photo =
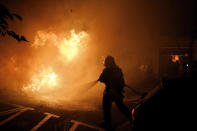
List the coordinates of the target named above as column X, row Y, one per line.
column 22, row 118
column 19, row 116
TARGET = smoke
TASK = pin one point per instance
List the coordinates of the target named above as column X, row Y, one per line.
column 127, row 30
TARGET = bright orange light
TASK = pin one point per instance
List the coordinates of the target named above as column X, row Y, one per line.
column 175, row 58
column 68, row 47
column 44, row 79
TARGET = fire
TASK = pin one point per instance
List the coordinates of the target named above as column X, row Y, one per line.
column 47, row 78
column 175, row 58
column 68, row 47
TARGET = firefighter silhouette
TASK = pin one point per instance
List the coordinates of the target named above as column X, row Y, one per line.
column 113, row 79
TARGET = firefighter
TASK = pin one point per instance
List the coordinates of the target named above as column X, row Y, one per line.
column 113, row 79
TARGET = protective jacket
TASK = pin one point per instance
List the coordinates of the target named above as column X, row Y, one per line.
column 113, row 78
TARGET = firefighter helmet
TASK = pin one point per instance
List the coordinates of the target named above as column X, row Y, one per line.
column 109, row 61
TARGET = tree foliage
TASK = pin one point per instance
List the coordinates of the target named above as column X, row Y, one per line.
column 5, row 16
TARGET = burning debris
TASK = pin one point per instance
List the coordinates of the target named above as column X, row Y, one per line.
column 45, row 79
column 68, row 48
column 48, row 73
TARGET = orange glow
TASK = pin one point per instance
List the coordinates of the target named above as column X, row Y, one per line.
column 68, row 47
column 47, row 78
column 175, row 58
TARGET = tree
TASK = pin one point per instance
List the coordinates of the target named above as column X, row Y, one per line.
column 6, row 15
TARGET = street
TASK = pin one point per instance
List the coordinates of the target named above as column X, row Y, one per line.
column 21, row 117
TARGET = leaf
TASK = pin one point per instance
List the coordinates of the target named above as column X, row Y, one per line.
column 3, row 34
column 11, row 33
column 5, row 14
column 3, row 27
column 10, row 16
column 2, row 21
column 16, row 37
column 23, row 39
column 18, row 17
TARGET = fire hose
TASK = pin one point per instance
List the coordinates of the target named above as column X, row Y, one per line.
column 136, row 92
column 93, row 83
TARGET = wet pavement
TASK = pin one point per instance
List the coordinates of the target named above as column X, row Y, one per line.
column 20, row 117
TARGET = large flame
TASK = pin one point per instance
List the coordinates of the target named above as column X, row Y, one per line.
column 47, row 78
column 68, row 46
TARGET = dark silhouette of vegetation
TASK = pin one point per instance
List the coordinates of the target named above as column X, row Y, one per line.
column 6, row 15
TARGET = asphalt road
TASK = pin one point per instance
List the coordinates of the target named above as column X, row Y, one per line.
column 19, row 114
column 21, row 117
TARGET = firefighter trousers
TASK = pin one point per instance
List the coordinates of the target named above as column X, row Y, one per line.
column 107, row 104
